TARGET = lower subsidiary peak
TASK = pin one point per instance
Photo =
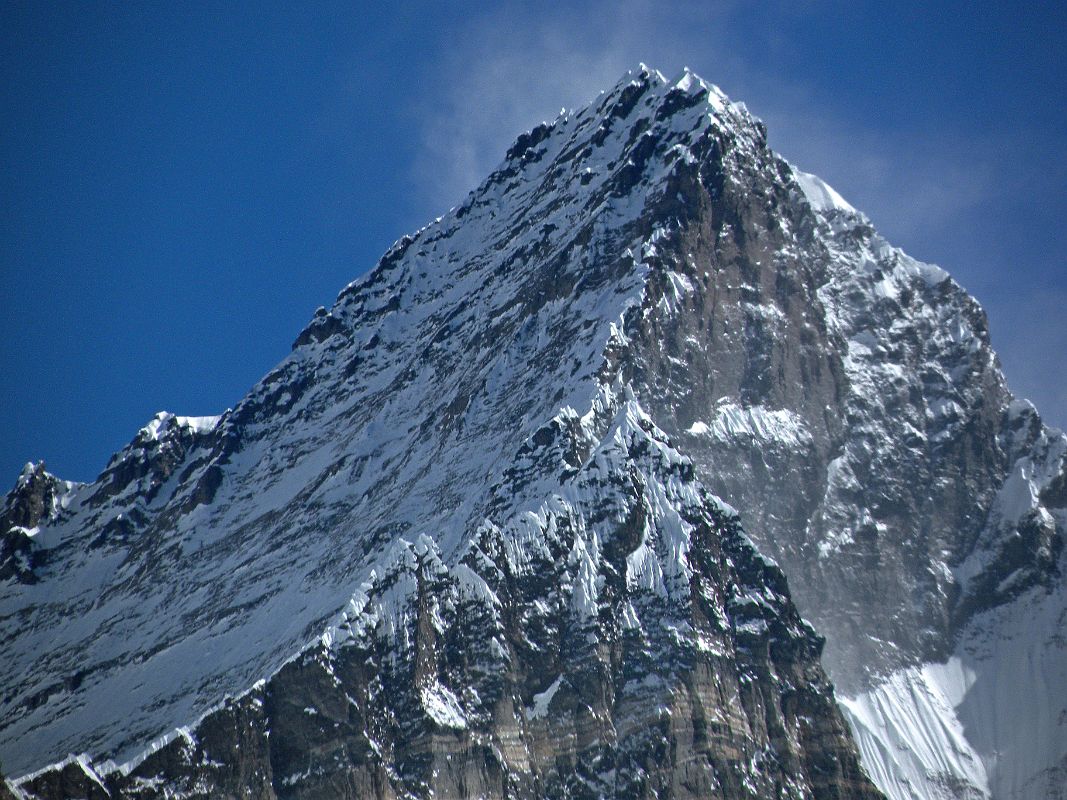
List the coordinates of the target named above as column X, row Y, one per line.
column 37, row 498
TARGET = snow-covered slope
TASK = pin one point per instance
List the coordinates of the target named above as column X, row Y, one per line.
column 987, row 723
column 641, row 309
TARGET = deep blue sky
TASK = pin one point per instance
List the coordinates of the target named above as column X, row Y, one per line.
column 182, row 184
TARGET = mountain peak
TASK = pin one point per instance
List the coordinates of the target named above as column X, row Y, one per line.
column 486, row 501
column 396, row 414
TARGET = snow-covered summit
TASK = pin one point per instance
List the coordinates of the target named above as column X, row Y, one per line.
column 164, row 419
column 396, row 411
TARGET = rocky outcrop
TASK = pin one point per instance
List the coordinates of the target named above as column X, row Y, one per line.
column 624, row 640
column 38, row 497
column 6, row 792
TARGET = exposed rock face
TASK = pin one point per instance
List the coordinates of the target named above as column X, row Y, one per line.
column 623, row 641
column 38, row 497
column 505, row 445
column 847, row 398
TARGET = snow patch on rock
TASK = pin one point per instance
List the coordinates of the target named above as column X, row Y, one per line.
column 820, row 194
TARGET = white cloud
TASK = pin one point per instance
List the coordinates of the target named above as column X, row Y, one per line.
column 514, row 69
column 519, row 69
